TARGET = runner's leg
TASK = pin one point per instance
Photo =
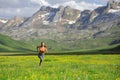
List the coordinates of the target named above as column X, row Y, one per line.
column 41, row 59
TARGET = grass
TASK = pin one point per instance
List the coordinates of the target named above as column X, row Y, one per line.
column 67, row 67
column 8, row 44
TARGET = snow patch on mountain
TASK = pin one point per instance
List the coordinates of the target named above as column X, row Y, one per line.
column 113, row 10
column 3, row 21
column 47, row 15
column 45, row 22
column 71, row 22
column 44, row 15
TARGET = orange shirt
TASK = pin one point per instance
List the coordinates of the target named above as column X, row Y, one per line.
column 42, row 49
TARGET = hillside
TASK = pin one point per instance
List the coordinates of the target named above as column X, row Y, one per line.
column 9, row 45
column 96, row 45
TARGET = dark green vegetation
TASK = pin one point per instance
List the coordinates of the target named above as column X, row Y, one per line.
column 82, row 67
column 92, row 45
column 8, row 44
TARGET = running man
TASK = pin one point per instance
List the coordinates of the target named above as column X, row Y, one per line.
column 41, row 51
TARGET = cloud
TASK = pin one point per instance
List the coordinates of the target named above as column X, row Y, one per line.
column 22, row 8
column 21, row 12
column 81, row 5
column 14, row 3
column 11, row 8
column 78, row 5
column 41, row 2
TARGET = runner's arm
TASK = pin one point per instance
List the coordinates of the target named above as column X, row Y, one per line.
column 46, row 50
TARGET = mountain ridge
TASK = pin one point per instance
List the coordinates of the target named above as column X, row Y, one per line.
column 66, row 23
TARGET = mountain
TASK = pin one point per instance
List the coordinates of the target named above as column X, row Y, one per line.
column 2, row 21
column 101, row 15
column 47, row 23
column 68, row 25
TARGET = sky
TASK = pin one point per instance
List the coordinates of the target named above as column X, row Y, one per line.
column 26, row 8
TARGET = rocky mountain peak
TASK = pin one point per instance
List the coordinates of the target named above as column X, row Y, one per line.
column 15, row 21
column 93, row 15
column 58, row 15
column 70, row 13
column 113, row 4
column 61, row 7
column 68, row 7
column 47, row 8
column 16, row 18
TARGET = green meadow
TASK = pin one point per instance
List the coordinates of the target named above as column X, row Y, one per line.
column 91, row 59
column 60, row 67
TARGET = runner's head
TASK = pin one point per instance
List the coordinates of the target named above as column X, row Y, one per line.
column 42, row 44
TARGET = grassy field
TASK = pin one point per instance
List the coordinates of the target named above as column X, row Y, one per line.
column 7, row 44
column 62, row 67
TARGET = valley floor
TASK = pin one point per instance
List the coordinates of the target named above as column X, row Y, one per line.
column 60, row 67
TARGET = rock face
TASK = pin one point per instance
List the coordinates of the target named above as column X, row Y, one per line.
column 70, row 14
column 11, row 25
column 115, row 42
column 2, row 21
column 16, row 21
column 84, row 17
column 65, row 23
column 113, row 4
column 58, row 15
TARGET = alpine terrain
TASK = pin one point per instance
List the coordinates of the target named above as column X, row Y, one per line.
column 97, row 28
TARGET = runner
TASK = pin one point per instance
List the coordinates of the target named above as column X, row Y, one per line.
column 41, row 49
